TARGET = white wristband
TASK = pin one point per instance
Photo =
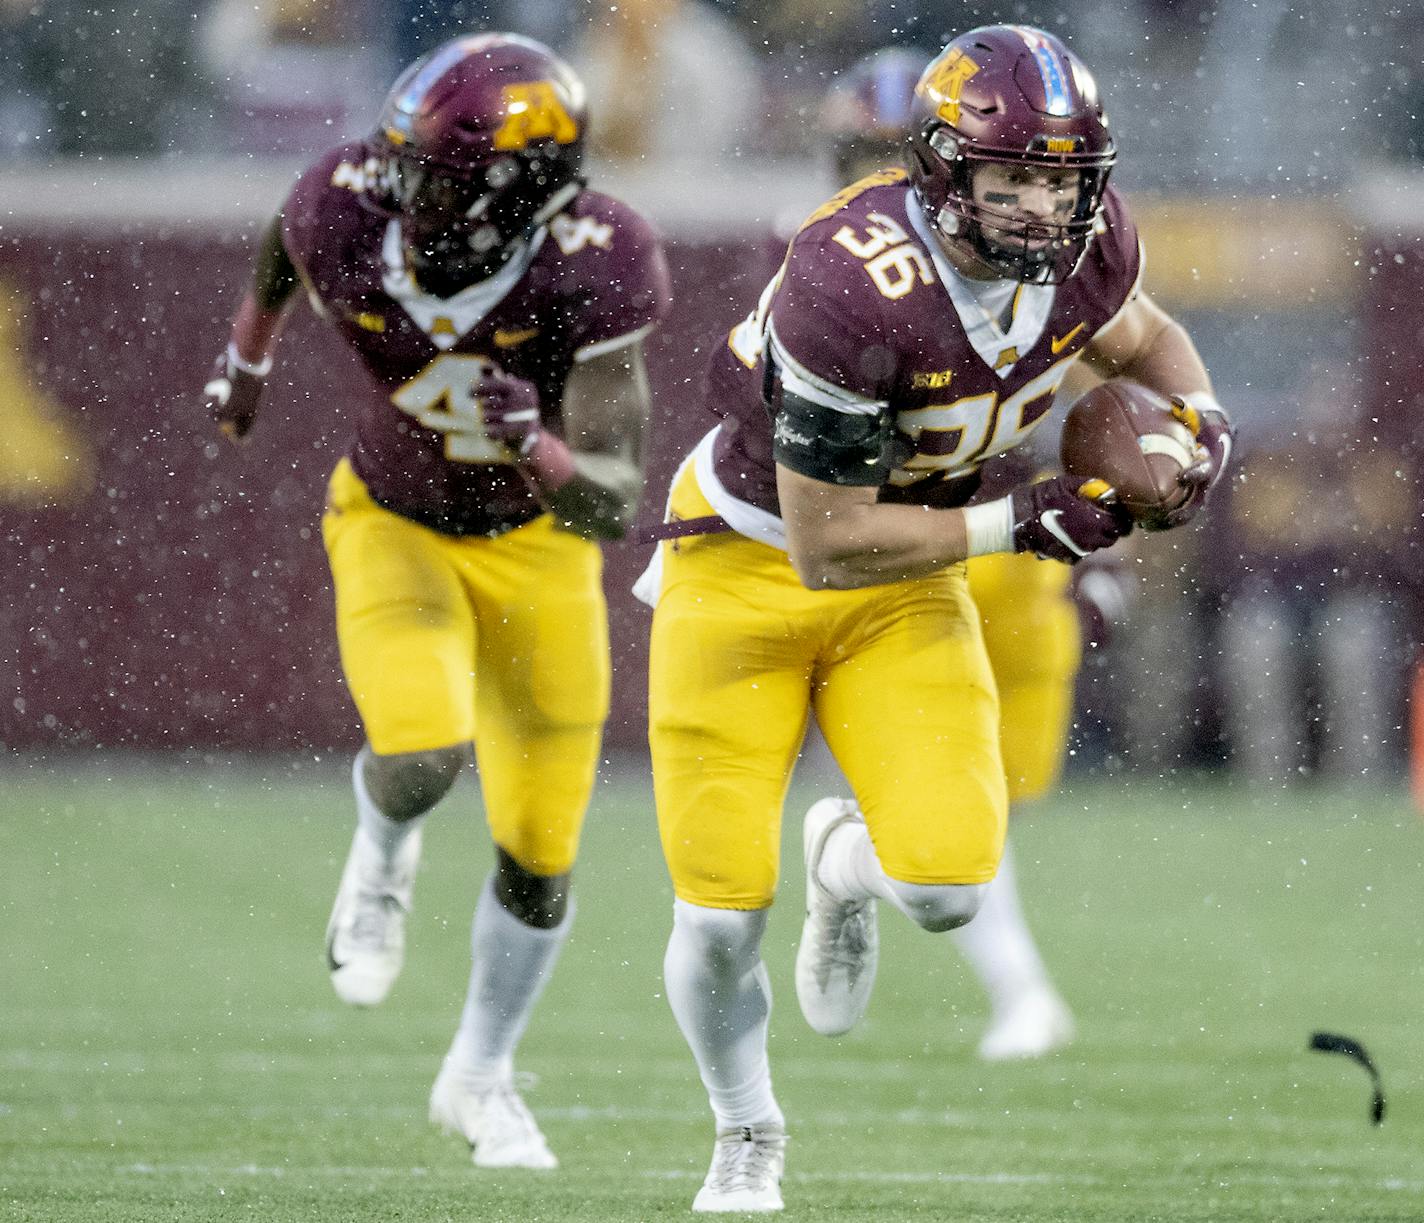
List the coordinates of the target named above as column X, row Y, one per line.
column 989, row 527
column 260, row 370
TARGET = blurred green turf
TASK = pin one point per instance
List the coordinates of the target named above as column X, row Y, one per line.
column 170, row 1047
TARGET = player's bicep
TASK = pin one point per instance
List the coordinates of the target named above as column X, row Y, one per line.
column 815, row 511
column 832, row 444
column 274, row 275
column 1130, row 332
column 607, row 402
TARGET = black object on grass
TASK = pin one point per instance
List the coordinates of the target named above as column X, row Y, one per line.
column 1329, row 1042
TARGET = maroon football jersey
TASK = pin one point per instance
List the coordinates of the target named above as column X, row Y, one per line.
column 594, row 277
column 867, row 315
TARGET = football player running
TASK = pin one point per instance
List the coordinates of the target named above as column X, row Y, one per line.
column 1027, row 614
column 498, row 307
column 919, row 325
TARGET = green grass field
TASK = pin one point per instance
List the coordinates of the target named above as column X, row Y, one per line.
column 170, row 1047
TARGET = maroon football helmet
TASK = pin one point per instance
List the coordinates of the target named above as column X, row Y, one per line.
column 1011, row 95
column 866, row 113
column 478, row 144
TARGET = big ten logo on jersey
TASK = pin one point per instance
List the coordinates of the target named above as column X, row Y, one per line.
column 533, row 111
column 952, row 439
column 893, row 263
column 442, row 397
column 574, row 233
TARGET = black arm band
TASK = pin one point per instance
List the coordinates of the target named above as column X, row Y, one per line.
column 275, row 276
column 830, row 445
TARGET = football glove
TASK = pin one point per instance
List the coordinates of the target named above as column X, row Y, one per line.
column 1212, row 429
column 510, row 409
column 1061, row 520
column 234, row 392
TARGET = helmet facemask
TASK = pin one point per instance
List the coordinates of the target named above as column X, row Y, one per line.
column 462, row 224
column 1030, row 250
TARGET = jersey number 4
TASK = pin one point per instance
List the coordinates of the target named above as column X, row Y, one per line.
column 442, row 397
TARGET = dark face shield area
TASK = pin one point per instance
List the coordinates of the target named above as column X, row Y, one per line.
column 461, row 227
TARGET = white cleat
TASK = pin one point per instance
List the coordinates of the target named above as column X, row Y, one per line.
column 1036, row 1023
column 365, row 938
column 840, row 945
column 745, row 1175
column 492, row 1118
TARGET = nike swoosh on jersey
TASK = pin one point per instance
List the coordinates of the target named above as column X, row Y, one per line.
column 1050, row 520
column 1058, row 345
column 505, row 338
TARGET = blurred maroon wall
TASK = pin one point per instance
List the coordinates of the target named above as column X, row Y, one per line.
column 178, row 596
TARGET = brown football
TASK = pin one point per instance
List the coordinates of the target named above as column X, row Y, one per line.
column 1125, row 434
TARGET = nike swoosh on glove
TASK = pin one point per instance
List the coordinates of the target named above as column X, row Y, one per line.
column 1214, row 436
column 1061, row 520
column 233, row 393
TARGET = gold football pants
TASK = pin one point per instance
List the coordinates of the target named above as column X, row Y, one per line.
column 901, row 687
column 503, row 642
column 1031, row 632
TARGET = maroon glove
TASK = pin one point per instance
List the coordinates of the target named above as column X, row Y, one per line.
column 1061, row 521
column 233, row 393
column 1212, row 429
column 509, row 407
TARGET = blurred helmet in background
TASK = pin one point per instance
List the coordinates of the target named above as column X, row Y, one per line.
column 478, row 144
column 866, row 113
column 1010, row 95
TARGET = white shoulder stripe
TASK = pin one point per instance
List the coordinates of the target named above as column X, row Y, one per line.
column 599, row 347
column 799, row 380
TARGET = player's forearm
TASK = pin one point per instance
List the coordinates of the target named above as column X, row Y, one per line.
column 259, row 318
column 254, row 333
column 592, row 495
column 872, row 544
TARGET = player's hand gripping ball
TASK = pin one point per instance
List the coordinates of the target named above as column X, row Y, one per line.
column 1145, row 446
column 1065, row 520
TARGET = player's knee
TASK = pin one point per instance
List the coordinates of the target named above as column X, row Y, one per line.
column 726, row 937
column 941, row 906
column 541, row 901
column 410, row 783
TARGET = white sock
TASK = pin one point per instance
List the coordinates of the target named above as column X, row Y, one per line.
column 997, row 943
column 849, row 869
column 511, row 963
column 720, row 995
column 386, row 834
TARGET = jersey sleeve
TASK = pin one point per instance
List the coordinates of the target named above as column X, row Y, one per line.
column 1117, row 256
column 319, row 210
column 825, row 332
column 627, row 287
